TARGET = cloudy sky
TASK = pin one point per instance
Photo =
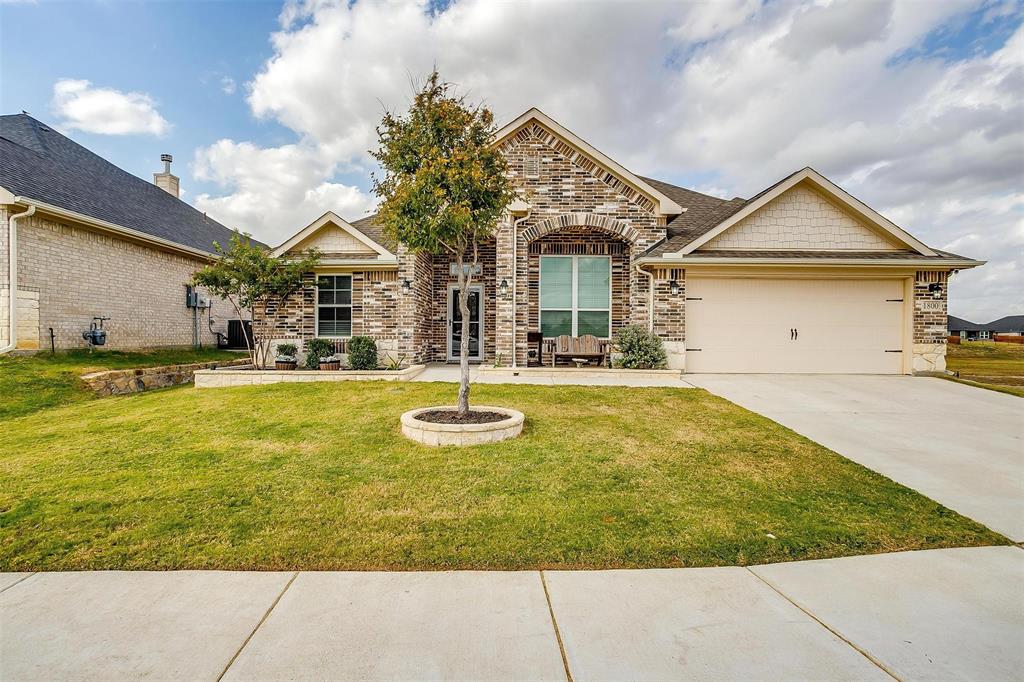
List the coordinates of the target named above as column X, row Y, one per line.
column 916, row 108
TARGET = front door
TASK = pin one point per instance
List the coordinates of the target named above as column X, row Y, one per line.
column 476, row 322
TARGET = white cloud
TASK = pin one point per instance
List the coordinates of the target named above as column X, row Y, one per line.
column 272, row 192
column 736, row 93
column 228, row 85
column 104, row 110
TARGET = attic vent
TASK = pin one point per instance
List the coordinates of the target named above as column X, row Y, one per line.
column 531, row 165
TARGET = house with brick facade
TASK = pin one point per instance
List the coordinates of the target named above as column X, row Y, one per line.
column 81, row 238
column 802, row 277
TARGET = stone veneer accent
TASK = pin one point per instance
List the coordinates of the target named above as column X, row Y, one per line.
column 930, row 321
column 67, row 274
column 120, row 381
column 800, row 219
column 224, row 378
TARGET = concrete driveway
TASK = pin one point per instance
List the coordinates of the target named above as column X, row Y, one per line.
column 959, row 445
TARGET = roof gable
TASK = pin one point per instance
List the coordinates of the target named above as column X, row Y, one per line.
column 802, row 219
column 332, row 234
column 576, row 148
column 833, row 193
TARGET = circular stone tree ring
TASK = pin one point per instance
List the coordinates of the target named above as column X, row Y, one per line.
column 430, row 433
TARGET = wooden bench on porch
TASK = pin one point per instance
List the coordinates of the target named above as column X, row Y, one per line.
column 580, row 349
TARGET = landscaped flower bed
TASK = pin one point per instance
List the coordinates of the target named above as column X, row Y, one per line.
column 444, row 426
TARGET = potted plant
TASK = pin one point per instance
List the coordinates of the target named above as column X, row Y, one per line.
column 320, row 355
column 285, row 359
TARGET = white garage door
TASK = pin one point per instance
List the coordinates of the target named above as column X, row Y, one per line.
column 817, row 326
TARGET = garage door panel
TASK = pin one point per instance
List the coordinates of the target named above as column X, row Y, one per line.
column 745, row 325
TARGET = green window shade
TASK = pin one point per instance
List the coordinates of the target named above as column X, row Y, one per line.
column 555, row 282
column 593, row 283
column 555, row 323
column 592, row 322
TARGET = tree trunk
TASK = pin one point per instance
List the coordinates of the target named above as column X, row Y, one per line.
column 464, row 281
column 252, row 316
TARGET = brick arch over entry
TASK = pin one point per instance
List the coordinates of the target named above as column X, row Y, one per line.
column 612, row 226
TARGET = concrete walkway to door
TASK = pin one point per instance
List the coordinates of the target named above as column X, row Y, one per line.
column 961, row 446
column 569, row 377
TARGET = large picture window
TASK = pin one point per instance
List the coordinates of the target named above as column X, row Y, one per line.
column 575, row 296
column 334, row 305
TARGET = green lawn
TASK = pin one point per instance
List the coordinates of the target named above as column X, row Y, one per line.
column 33, row 382
column 996, row 366
column 317, row 476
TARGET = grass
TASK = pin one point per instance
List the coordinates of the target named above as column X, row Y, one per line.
column 29, row 383
column 317, row 476
column 986, row 364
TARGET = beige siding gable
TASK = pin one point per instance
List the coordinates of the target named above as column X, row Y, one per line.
column 332, row 239
column 801, row 219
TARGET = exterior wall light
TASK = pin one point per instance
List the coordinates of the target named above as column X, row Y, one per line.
column 406, row 286
column 503, row 288
column 673, row 287
column 935, row 289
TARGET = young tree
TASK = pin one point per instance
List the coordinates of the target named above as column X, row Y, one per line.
column 444, row 187
column 249, row 278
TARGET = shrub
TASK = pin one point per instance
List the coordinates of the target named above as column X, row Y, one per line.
column 287, row 350
column 316, row 350
column 362, row 352
column 640, row 348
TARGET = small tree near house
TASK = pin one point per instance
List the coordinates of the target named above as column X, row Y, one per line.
column 250, row 278
column 444, row 187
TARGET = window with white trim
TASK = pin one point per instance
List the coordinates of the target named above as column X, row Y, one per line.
column 575, row 296
column 334, row 305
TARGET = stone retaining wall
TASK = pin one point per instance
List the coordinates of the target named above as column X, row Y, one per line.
column 222, row 378
column 118, row 381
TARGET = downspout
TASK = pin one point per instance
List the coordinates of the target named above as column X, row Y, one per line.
column 12, row 283
column 650, row 296
column 515, row 264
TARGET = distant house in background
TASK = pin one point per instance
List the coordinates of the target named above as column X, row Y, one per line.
column 1011, row 325
column 92, row 240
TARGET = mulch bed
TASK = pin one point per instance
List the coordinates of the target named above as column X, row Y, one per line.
column 453, row 417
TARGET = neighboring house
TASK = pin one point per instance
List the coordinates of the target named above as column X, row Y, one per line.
column 1011, row 325
column 92, row 240
column 802, row 277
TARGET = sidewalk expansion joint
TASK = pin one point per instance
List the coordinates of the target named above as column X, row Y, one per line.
column 554, row 624
column 258, row 625
column 822, row 623
column 18, row 582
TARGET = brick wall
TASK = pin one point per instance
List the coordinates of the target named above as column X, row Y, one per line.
column 376, row 309
column 556, row 180
column 929, row 310
column 416, row 332
column 71, row 274
column 930, row 321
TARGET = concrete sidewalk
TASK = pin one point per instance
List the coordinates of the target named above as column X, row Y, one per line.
column 938, row 614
